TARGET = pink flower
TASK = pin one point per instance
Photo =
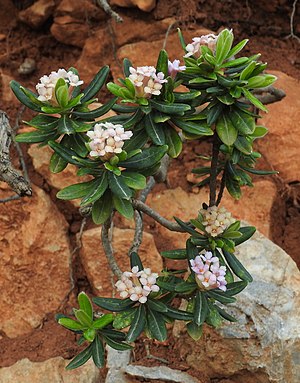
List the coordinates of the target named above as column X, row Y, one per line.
column 146, row 81
column 174, row 67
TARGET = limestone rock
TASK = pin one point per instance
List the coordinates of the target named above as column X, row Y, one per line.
column 37, row 13
column 34, row 259
column 70, row 31
column 95, row 263
column 144, row 5
column 265, row 341
column 281, row 146
column 80, row 10
column 52, row 370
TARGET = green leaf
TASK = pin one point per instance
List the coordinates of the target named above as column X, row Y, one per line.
column 119, row 187
column 155, row 131
column 148, row 158
column 43, row 122
column 226, row 130
column 243, row 145
column 185, row 287
column 156, row 326
column 123, row 206
column 214, row 113
column 137, row 325
column 174, row 108
column 80, row 359
column 162, row 63
column 98, row 112
column 134, row 180
column 102, row 208
column 173, row 141
column 237, row 267
column 126, row 65
column 124, row 319
column 62, row 93
column 57, row 164
column 174, row 254
column 96, row 84
column 226, row 99
column 103, row 321
column 201, row 308
column 181, row 39
column 98, row 352
column 261, row 81
column 71, row 324
column 77, row 190
column 235, row 288
column 194, row 331
column 83, row 317
column 255, row 101
column 135, row 260
column 89, row 334
column 200, row 129
column 37, row 136
column 220, row 296
column 188, row 228
column 78, row 143
column 223, row 47
column 85, row 304
column 237, row 48
column 120, row 346
column 156, row 305
column 258, row 171
column 23, row 98
column 179, row 314
column 138, row 140
column 98, row 190
column 247, row 233
column 113, row 334
column 65, row 125
column 233, row 187
column 242, row 121
column 213, row 317
column 113, row 304
column 225, row 315
column 259, row 131
column 246, row 73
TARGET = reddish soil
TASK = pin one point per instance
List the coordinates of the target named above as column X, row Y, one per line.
column 266, row 23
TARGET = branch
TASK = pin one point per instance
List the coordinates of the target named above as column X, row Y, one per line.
column 222, row 187
column 107, row 9
column 292, row 34
column 267, row 95
column 214, row 171
column 108, row 249
column 7, row 172
column 141, row 206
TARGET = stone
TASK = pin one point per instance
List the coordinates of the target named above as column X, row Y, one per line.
column 6, row 93
column 95, row 263
column 281, row 145
column 81, row 10
column 265, row 340
column 160, row 372
column 97, row 52
column 70, row 31
column 39, row 12
column 144, row 5
column 52, row 370
column 34, row 259
column 146, row 52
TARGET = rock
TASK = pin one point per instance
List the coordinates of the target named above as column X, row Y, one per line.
column 6, row 93
column 160, row 372
column 81, row 10
column 146, row 52
column 144, row 30
column 41, row 158
column 34, row 259
column 281, row 146
column 97, row 52
column 37, row 13
column 95, row 263
column 70, row 31
column 144, row 5
column 265, row 341
column 52, row 370
column 27, row 67
column 2, row 37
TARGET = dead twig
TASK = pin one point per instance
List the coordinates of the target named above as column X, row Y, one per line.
column 292, row 33
column 8, row 173
column 107, row 246
column 107, row 9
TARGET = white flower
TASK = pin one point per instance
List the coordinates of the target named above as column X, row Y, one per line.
column 137, row 285
column 106, row 139
column 146, row 81
column 216, row 220
column 45, row 87
column 209, row 40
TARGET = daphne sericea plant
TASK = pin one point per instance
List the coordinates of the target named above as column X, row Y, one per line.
column 122, row 155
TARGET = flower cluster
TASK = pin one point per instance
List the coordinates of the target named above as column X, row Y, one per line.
column 216, row 220
column 174, row 67
column 209, row 40
column 137, row 285
column 106, row 139
column 146, row 81
column 46, row 86
column 208, row 271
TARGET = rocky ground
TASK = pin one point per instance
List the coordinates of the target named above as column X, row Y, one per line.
column 45, row 261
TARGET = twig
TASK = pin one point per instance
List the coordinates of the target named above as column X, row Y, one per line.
column 147, row 190
column 222, row 187
column 214, row 171
column 292, row 34
column 161, row 175
column 7, row 172
column 107, row 9
column 107, row 246
column 266, row 95
column 168, row 32
column 141, row 206
column 11, row 198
